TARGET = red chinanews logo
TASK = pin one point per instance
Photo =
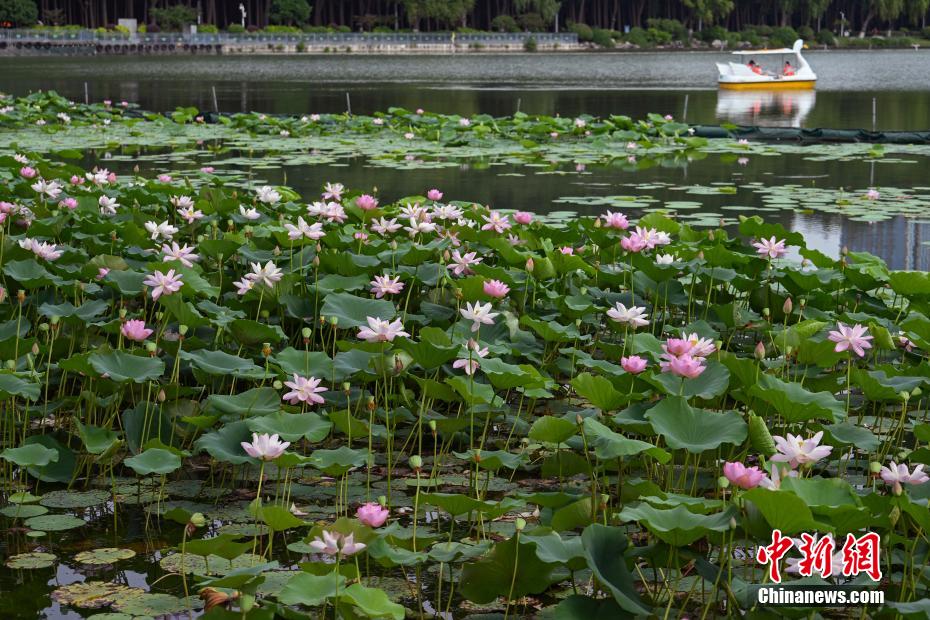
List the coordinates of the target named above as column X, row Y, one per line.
column 858, row 555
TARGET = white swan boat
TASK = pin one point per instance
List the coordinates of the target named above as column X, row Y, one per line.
column 742, row 75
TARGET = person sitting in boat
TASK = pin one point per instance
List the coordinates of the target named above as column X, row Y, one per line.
column 788, row 69
column 754, row 67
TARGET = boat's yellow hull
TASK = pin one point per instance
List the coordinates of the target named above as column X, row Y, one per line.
column 775, row 85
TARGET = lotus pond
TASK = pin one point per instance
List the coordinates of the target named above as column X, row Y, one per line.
column 228, row 397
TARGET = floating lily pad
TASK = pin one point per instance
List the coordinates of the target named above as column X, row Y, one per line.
column 54, row 523
column 35, row 559
column 93, row 594
column 74, row 499
column 104, row 555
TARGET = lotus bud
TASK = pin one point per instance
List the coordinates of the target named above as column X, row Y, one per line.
column 201, row 238
column 700, row 255
column 759, row 353
column 766, row 312
column 2, row 294
column 710, row 234
column 151, row 347
column 316, row 261
column 520, row 524
column 416, row 462
column 43, row 327
column 723, row 482
column 393, row 245
column 21, row 296
column 35, row 348
column 246, row 602
column 577, row 322
column 844, row 251
column 787, row 307
column 398, row 364
column 162, row 397
column 875, row 467
column 277, row 250
column 182, row 329
column 530, row 264
column 578, row 419
column 733, row 523
column 159, row 315
column 446, row 257
column 319, row 248
column 895, row 513
column 597, row 222
column 432, row 426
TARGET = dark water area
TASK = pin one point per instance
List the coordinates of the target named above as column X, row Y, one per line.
column 600, row 84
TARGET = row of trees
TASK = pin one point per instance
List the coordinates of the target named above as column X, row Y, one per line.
column 853, row 15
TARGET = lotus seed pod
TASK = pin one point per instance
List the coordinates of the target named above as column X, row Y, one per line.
column 43, row 327
column 875, row 467
column 520, row 524
column 766, row 312
column 416, row 462
column 265, row 314
column 266, row 349
column 904, row 395
column 150, row 347
column 346, row 387
column 334, row 321
column 198, row 519
column 432, row 426
column 21, row 295
column 246, row 602
column 723, row 482
column 305, row 332
column 277, row 384
column 916, row 392
column 122, row 313
column 182, row 329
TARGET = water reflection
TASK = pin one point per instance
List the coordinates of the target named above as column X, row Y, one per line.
column 770, row 108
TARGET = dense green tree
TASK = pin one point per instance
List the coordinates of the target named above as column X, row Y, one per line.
column 19, row 12
column 174, row 17
column 709, row 11
column 289, row 12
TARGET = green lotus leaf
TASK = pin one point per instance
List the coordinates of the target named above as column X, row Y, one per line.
column 695, row 430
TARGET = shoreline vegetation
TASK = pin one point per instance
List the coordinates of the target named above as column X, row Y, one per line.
column 423, row 406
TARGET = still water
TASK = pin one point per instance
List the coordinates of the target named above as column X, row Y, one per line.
column 568, row 84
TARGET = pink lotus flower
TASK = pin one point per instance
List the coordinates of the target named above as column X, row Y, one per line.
column 334, row 543
column 523, row 217
column 372, row 514
column 304, row 390
column 855, row 338
column 470, row 364
column 69, row 203
column 742, row 476
column 480, row 314
column 634, row 243
column 102, row 273
column 770, row 248
column 208, row 169
column 135, row 330
column 700, row 347
column 678, row 346
column 379, row 330
column 615, row 220
column 76, row 180
column 496, row 222
column 796, row 451
column 633, row 364
column 164, row 178
column 265, row 447
column 683, row 365
column 496, row 289
column 872, row 194
column 164, row 283
column 434, row 195
column 896, row 475
column 333, row 191
column 567, row 250
column 463, row 262
column 27, row 172
column 366, row 202
column 386, row 285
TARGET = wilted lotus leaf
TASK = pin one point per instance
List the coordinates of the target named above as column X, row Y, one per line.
column 104, row 555
column 36, row 559
column 93, row 594
column 74, row 499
